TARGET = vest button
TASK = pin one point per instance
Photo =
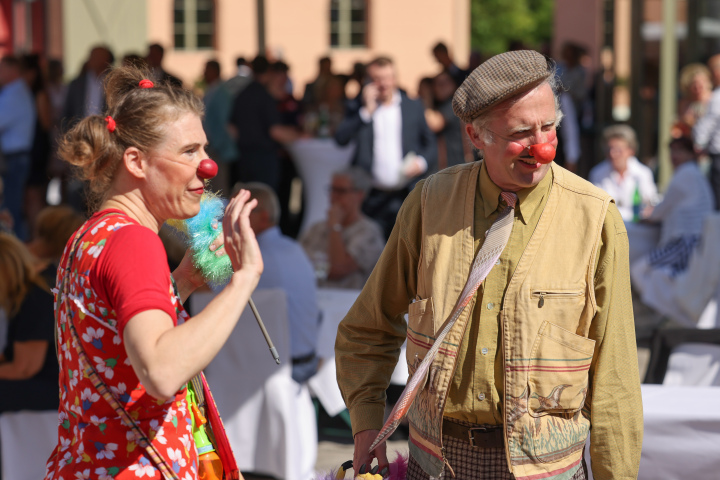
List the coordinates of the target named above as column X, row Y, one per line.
column 481, row 397
column 484, row 351
column 490, row 306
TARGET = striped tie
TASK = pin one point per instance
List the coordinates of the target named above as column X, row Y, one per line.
column 495, row 241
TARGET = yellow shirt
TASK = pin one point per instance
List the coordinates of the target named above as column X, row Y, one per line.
column 476, row 391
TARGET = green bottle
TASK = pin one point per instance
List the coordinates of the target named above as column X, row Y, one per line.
column 637, row 203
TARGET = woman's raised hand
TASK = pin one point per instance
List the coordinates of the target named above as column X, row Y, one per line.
column 240, row 243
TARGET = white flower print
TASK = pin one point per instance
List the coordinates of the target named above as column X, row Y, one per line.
column 80, row 451
column 185, row 440
column 101, row 365
column 142, row 468
column 103, row 474
column 176, row 458
column 68, row 458
column 116, row 340
column 88, row 398
column 121, row 392
column 64, row 443
column 95, row 250
column 170, row 414
column 73, row 375
column 98, row 227
column 93, row 336
column 105, row 450
column 76, row 409
column 65, row 348
column 159, row 432
column 48, row 467
column 84, row 475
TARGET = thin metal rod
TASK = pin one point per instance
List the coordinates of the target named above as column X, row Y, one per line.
column 273, row 350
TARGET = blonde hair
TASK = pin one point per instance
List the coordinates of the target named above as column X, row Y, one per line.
column 16, row 274
column 689, row 72
column 139, row 114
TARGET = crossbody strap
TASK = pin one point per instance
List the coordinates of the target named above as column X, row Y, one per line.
column 86, row 365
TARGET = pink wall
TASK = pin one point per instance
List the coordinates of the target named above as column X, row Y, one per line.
column 298, row 33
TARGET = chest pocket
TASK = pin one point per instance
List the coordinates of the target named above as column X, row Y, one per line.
column 420, row 333
column 560, row 306
column 558, row 371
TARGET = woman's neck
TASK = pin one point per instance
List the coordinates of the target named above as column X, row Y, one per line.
column 134, row 207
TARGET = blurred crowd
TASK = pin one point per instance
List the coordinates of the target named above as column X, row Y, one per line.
column 252, row 116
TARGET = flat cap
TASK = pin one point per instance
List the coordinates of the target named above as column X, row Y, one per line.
column 498, row 79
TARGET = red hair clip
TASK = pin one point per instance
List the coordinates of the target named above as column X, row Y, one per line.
column 110, row 123
column 145, row 83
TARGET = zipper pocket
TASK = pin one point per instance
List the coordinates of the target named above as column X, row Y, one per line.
column 541, row 295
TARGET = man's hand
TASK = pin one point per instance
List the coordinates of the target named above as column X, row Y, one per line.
column 370, row 95
column 361, row 457
column 335, row 215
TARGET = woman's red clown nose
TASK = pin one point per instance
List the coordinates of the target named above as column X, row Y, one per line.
column 207, row 169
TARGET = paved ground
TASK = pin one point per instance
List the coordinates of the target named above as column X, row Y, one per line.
column 331, row 455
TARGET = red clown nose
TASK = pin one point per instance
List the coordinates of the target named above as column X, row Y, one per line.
column 207, row 169
column 544, row 152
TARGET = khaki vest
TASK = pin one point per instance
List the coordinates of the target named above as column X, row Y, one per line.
column 545, row 319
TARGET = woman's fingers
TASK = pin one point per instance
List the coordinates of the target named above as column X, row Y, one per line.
column 240, row 242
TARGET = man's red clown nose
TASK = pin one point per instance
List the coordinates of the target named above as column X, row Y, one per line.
column 207, row 169
column 544, row 152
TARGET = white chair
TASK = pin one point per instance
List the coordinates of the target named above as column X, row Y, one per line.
column 26, row 441
column 269, row 418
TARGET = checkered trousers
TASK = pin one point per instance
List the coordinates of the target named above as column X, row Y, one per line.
column 470, row 463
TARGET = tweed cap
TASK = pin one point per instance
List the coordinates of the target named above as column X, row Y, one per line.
column 498, row 79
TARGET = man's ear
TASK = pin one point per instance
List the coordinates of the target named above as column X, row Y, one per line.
column 474, row 137
column 135, row 162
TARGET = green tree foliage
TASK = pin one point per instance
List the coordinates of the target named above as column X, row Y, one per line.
column 498, row 23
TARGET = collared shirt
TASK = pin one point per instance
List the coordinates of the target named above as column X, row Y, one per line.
column 622, row 187
column 17, row 117
column 706, row 131
column 93, row 94
column 287, row 267
column 476, row 391
column 387, row 143
column 377, row 314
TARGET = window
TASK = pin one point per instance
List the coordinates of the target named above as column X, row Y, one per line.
column 348, row 23
column 194, row 24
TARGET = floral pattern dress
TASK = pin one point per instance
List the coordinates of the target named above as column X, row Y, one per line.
column 92, row 441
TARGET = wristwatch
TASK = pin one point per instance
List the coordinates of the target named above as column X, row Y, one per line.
column 337, row 227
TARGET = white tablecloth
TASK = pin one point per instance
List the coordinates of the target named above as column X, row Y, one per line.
column 682, row 433
column 316, row 160
column 334, row 304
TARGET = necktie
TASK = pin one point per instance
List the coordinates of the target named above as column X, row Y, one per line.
column 495, row 241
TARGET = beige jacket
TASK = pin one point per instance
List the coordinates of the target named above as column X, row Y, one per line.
column 546, row 316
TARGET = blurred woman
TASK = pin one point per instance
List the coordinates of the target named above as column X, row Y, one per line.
column 622, row 175
column 126, row 346
column 696, row 89
column 28, row 368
